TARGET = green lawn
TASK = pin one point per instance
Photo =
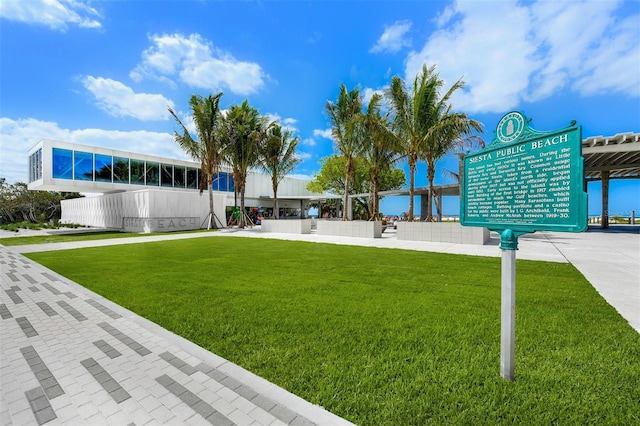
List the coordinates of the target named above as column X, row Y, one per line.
column 80, row 236
column 379, row 336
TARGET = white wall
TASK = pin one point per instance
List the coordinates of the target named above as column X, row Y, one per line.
column 287, row 226
column 443, row 232
column 109, row 210
column 349, row 228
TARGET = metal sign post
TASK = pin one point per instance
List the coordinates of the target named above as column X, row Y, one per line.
column 524, row 181
column 508, row 245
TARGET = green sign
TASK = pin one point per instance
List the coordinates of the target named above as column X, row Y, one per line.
column 526, row 180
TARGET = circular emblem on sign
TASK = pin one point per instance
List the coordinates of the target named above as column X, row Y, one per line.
column 510, row 127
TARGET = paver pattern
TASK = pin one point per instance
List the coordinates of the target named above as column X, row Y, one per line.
column 71, row 357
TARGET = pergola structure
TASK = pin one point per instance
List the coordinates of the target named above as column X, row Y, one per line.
column 612, row 157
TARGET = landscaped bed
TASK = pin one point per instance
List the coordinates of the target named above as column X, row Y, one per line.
column 382, row 336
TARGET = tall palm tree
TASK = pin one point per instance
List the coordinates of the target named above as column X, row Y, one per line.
column 206, row 147
column 381, row 148
column 449, row 131
column 241, row 134
column 343, row 116
column 411, row 112
column 278, row 157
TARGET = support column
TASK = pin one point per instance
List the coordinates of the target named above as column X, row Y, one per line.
column 605, row 199
column 424, row 203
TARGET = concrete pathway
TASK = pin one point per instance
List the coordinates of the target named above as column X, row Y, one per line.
column 70, row 356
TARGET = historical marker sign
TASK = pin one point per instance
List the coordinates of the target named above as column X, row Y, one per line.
column 526, row 180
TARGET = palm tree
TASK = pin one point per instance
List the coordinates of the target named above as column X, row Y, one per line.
column 442, row 129
column 241, row 135
column 412, row 113
column 449, row 131
column 343, row 116
column 381, row 148
column 278, row 157
column 206, row 148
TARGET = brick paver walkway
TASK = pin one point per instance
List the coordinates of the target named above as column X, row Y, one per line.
column 70, row 356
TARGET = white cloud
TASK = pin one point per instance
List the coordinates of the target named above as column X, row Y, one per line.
column 509, row 52
column 615, row 63
column 393, row 38
column 55, row 14
column 197, row 63
column 18, row 136
column 119, row 100
column 368, row 93
column 287, row 123
column 326, row 133
column 304, row 156
column 445, row 16
column 308, row 142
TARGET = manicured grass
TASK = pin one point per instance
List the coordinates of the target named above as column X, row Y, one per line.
column 382, row 337
column 82, row 236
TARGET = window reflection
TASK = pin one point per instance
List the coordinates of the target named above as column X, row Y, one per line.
column 178, row 176
column 137, row 172
column 166, row 175
column 192, row 178
column 82, row 165
column 152, row 174
column 120, row 170
column 231, row 183
column 35, row 166
column 103, row 168
column 220, row 182
column 86, row 166
column 62, row 163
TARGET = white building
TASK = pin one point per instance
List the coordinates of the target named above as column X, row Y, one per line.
column 144, row 193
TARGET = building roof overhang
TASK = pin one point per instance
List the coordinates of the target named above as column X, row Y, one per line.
column 619, row 155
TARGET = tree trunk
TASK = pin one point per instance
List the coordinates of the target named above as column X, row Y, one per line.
column 242, row 218
column 345, row 203
column 376, row 199
column 212, row 222
column 276, row 212
column 430, row 176
column 412, row 182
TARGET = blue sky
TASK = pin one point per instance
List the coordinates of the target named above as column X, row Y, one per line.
column 103, row 72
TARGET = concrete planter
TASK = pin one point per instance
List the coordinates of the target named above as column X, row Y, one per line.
column 442, row 232
column 350, row 228
column 287, row 226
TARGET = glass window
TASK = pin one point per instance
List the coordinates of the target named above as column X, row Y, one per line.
column 82, row 165
column 137, row 172
column 62, row 163
column 220, row 182
column 152, row 174
column 103, row 167
column 215, row 183
column 166, row 175
column 120, row 170
column 231, row 184
column 35, row 166
column 192, row 178
column 178, row 176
